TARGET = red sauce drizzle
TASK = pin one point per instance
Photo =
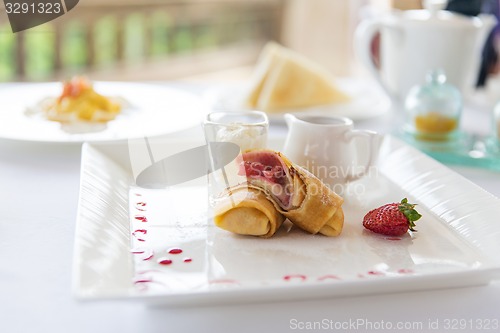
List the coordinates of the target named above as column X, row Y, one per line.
column 222, row 281
column 140, row 206
column 141, row 231
column 328, row 277
column 164, row 261
column 175, row 250
column 138, row 250
column 376, row 273
column 187, row 260
column 151, row 255
column 141, row 218
column 405, row 271
column 295, row 276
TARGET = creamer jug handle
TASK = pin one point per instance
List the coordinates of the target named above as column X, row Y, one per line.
column 374, row 141
column 289, row 119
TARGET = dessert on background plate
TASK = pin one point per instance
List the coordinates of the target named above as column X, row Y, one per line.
column 79, row 102
column 284, row 79
column 146, row 109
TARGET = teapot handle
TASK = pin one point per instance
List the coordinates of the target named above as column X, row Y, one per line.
column 364, row 35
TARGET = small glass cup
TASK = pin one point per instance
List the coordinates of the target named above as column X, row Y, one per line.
column 246, row 129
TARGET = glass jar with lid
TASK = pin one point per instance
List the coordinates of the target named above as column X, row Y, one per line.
column 433, row 109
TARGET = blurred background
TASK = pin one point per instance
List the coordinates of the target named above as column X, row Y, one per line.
column 172, row 39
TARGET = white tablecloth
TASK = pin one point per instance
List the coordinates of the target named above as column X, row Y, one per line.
column 39, row 186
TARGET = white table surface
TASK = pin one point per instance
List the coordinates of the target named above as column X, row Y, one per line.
column 39, row 186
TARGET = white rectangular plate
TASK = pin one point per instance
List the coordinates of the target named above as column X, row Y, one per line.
column 125, row 234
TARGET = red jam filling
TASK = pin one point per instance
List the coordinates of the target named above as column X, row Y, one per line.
column 264, row 165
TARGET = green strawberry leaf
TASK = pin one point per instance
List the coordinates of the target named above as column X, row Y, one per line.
column 409, row 211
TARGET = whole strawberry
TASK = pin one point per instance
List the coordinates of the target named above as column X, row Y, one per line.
column 392, row 219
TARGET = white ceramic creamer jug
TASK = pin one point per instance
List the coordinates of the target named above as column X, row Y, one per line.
column 414, row 42
column 330, row 148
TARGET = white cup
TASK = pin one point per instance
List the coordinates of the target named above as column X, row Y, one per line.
column 327, row 147
column 415, row 42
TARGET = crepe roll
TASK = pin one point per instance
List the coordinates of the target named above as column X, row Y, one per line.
column 297, row 194
column 247, row 211
column 334, row 226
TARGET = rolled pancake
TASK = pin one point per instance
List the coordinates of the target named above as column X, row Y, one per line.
column 247, row 211
column 296, row 193
column 320, row 210
column 333, row 227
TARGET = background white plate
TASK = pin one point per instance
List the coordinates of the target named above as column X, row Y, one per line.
column 367, row 101
column 117, row 253
column 154, row 110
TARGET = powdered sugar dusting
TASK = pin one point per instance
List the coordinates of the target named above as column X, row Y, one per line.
column 326, row 200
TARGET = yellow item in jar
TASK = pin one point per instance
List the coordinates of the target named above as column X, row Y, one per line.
column 80, row 102
column 435, row 123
